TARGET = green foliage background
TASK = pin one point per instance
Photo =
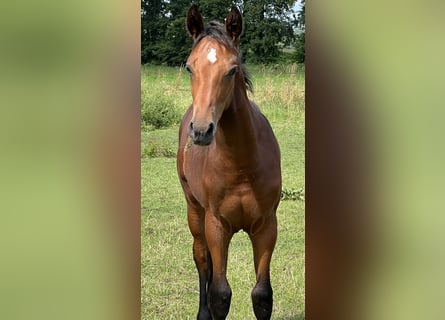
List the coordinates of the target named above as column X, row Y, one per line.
column 269, row 27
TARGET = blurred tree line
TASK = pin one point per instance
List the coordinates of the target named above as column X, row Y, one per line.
column 269, row 26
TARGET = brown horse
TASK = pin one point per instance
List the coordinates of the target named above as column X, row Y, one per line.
column 229, row 166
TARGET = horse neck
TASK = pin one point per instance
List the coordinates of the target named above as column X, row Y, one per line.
column 236, row 127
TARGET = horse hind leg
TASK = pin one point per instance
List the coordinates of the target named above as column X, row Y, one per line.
column 263, row 242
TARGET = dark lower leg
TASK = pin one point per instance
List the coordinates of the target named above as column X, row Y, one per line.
column 262, row 299
column 204, row 312
column 203, row 264
column 218, row 240
column 220, row 295
column 263, row 243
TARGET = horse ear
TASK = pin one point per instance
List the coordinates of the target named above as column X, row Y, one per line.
column 195, row 24
column 234, row 24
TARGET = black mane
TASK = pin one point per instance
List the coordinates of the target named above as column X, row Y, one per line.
column 217, row 31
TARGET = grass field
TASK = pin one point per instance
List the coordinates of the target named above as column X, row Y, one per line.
column 169, row 278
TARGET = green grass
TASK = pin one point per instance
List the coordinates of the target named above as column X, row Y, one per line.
column 169, row 279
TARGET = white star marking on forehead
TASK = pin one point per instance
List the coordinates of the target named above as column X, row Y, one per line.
column 211, row 56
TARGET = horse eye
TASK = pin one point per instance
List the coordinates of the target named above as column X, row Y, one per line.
column 188, row 69
column 232, row 72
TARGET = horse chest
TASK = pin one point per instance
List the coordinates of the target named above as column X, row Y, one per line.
column 243, row 206
column 232, row 193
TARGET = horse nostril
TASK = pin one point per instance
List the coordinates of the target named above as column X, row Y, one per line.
column 191, row 126
column 210, row 129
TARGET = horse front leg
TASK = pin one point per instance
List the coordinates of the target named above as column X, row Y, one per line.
column 218, row 240
column 201, row 256
column 263, row 242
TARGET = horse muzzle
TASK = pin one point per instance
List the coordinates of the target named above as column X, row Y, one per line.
column 202, row 135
